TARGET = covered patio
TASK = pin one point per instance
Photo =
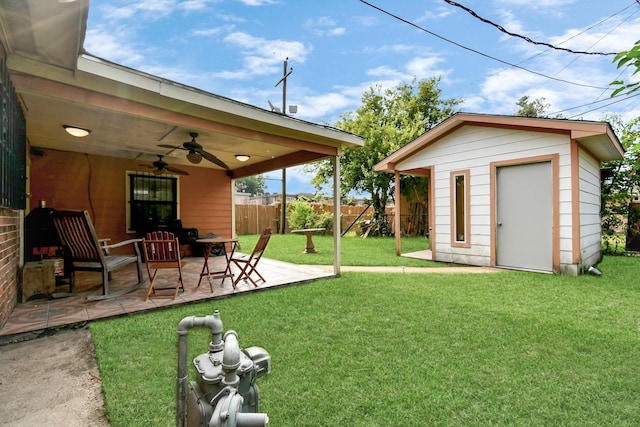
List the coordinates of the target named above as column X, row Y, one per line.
column 40, row 314
column 152, row 150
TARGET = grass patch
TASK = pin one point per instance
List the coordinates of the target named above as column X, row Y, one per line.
column 368, row 349
column 355, row 251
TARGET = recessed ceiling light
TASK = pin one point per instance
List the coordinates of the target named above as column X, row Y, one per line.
column 76, row 131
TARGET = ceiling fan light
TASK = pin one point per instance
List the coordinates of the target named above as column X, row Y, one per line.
column 76, row 131
column 242, row 157
column 194, row 157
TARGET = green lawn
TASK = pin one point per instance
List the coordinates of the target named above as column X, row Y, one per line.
column 374, row 251
column 367, row 349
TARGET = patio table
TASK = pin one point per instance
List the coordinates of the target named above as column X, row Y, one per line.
column 208, row 244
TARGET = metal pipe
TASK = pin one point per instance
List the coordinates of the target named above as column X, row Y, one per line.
column 251, row 420
column 215, row 324
column 231, row 359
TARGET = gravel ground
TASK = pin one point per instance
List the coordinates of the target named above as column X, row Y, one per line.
column 52, row 380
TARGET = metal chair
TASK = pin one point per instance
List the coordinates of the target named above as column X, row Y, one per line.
column 248, row 264
column 83, row 251
column 161, row 250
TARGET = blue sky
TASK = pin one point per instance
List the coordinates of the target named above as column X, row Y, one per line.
column 339, row 48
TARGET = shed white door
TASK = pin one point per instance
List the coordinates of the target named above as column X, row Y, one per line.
column 524, row 207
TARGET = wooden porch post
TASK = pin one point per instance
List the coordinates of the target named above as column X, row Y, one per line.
column 336, row 214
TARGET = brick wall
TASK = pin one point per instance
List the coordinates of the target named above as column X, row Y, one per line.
column 9, row 261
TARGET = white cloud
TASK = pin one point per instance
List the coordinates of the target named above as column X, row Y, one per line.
column 257, row 2
column 109, row 45
column 262, row 56
column 324, row 26
column 208, row 32
column 386, row 71
column 440, row 12
column 313, row 107
column 424, row 67
column 538, row 4
column 150, row 10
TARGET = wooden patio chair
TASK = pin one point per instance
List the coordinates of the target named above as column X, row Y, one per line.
column 83, row 251
column 161, row 250
column 248, row 264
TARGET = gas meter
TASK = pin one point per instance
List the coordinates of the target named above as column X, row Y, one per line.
column 224, row 393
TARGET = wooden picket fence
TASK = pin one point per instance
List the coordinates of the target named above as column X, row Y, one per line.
column 252, row 219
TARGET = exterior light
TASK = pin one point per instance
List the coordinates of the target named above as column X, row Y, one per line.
column 76, row 131
column 242, row 157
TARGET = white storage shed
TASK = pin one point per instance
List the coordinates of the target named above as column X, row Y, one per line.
column 512, row 192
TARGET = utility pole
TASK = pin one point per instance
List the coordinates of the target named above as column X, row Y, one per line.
column 283, row 80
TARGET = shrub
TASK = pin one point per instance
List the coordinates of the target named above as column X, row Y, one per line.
column 301, row 215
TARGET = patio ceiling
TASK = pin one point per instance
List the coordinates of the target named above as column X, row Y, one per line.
column 130, row 112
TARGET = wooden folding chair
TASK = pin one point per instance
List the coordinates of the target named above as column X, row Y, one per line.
column 248, row 264
column 83, row 251
column 161, row 250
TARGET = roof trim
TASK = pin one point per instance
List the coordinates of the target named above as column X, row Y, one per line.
column 579, row 130
column 171, row 89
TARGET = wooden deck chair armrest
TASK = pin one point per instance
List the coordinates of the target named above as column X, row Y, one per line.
column 123, row 243
column 134, row 242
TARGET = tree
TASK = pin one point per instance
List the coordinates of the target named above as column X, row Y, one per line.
column 388, row 119
column 620, row 178
column 254, row 185
column 535, row 108
column 627, row 58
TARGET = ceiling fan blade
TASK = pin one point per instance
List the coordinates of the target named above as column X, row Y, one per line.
column 213, row 159
column 176, row 170
column 173, row 147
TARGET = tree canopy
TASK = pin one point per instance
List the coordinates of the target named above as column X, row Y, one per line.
column 254, row 185
column 388, row 119
column 620, row 178
column 534, row 108
column 627, row 58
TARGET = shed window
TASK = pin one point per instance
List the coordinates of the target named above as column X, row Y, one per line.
column 460, row 208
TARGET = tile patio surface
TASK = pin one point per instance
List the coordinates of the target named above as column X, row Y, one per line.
column 68, row 309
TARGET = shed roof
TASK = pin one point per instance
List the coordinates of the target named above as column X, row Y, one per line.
column 597, row 137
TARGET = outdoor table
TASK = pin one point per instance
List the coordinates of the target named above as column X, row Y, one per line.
column 208, row 244
column 310, row 249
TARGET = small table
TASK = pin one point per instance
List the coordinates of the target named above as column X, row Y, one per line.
column 208, row 244
column 310, row 249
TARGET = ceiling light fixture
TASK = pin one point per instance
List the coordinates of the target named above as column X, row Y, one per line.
column 76, row 131
column 242, row 157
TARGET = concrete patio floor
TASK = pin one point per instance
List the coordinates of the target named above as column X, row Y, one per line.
column 37, row 315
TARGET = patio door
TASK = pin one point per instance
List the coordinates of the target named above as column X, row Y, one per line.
column 524, row 217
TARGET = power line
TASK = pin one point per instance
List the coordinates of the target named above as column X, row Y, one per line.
column 478, row 52
column 501, row 28
column 598, row 108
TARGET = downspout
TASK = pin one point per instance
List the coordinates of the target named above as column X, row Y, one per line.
column 215, row 324
column 396, row 227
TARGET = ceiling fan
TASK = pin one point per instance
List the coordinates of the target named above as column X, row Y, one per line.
column 160, row 166
column 196, row 152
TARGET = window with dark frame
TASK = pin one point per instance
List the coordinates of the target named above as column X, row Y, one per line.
column 153, row 200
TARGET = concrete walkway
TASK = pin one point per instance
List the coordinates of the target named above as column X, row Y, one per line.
column 412, row 270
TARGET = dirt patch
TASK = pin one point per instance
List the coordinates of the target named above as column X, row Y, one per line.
column 52, row 380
